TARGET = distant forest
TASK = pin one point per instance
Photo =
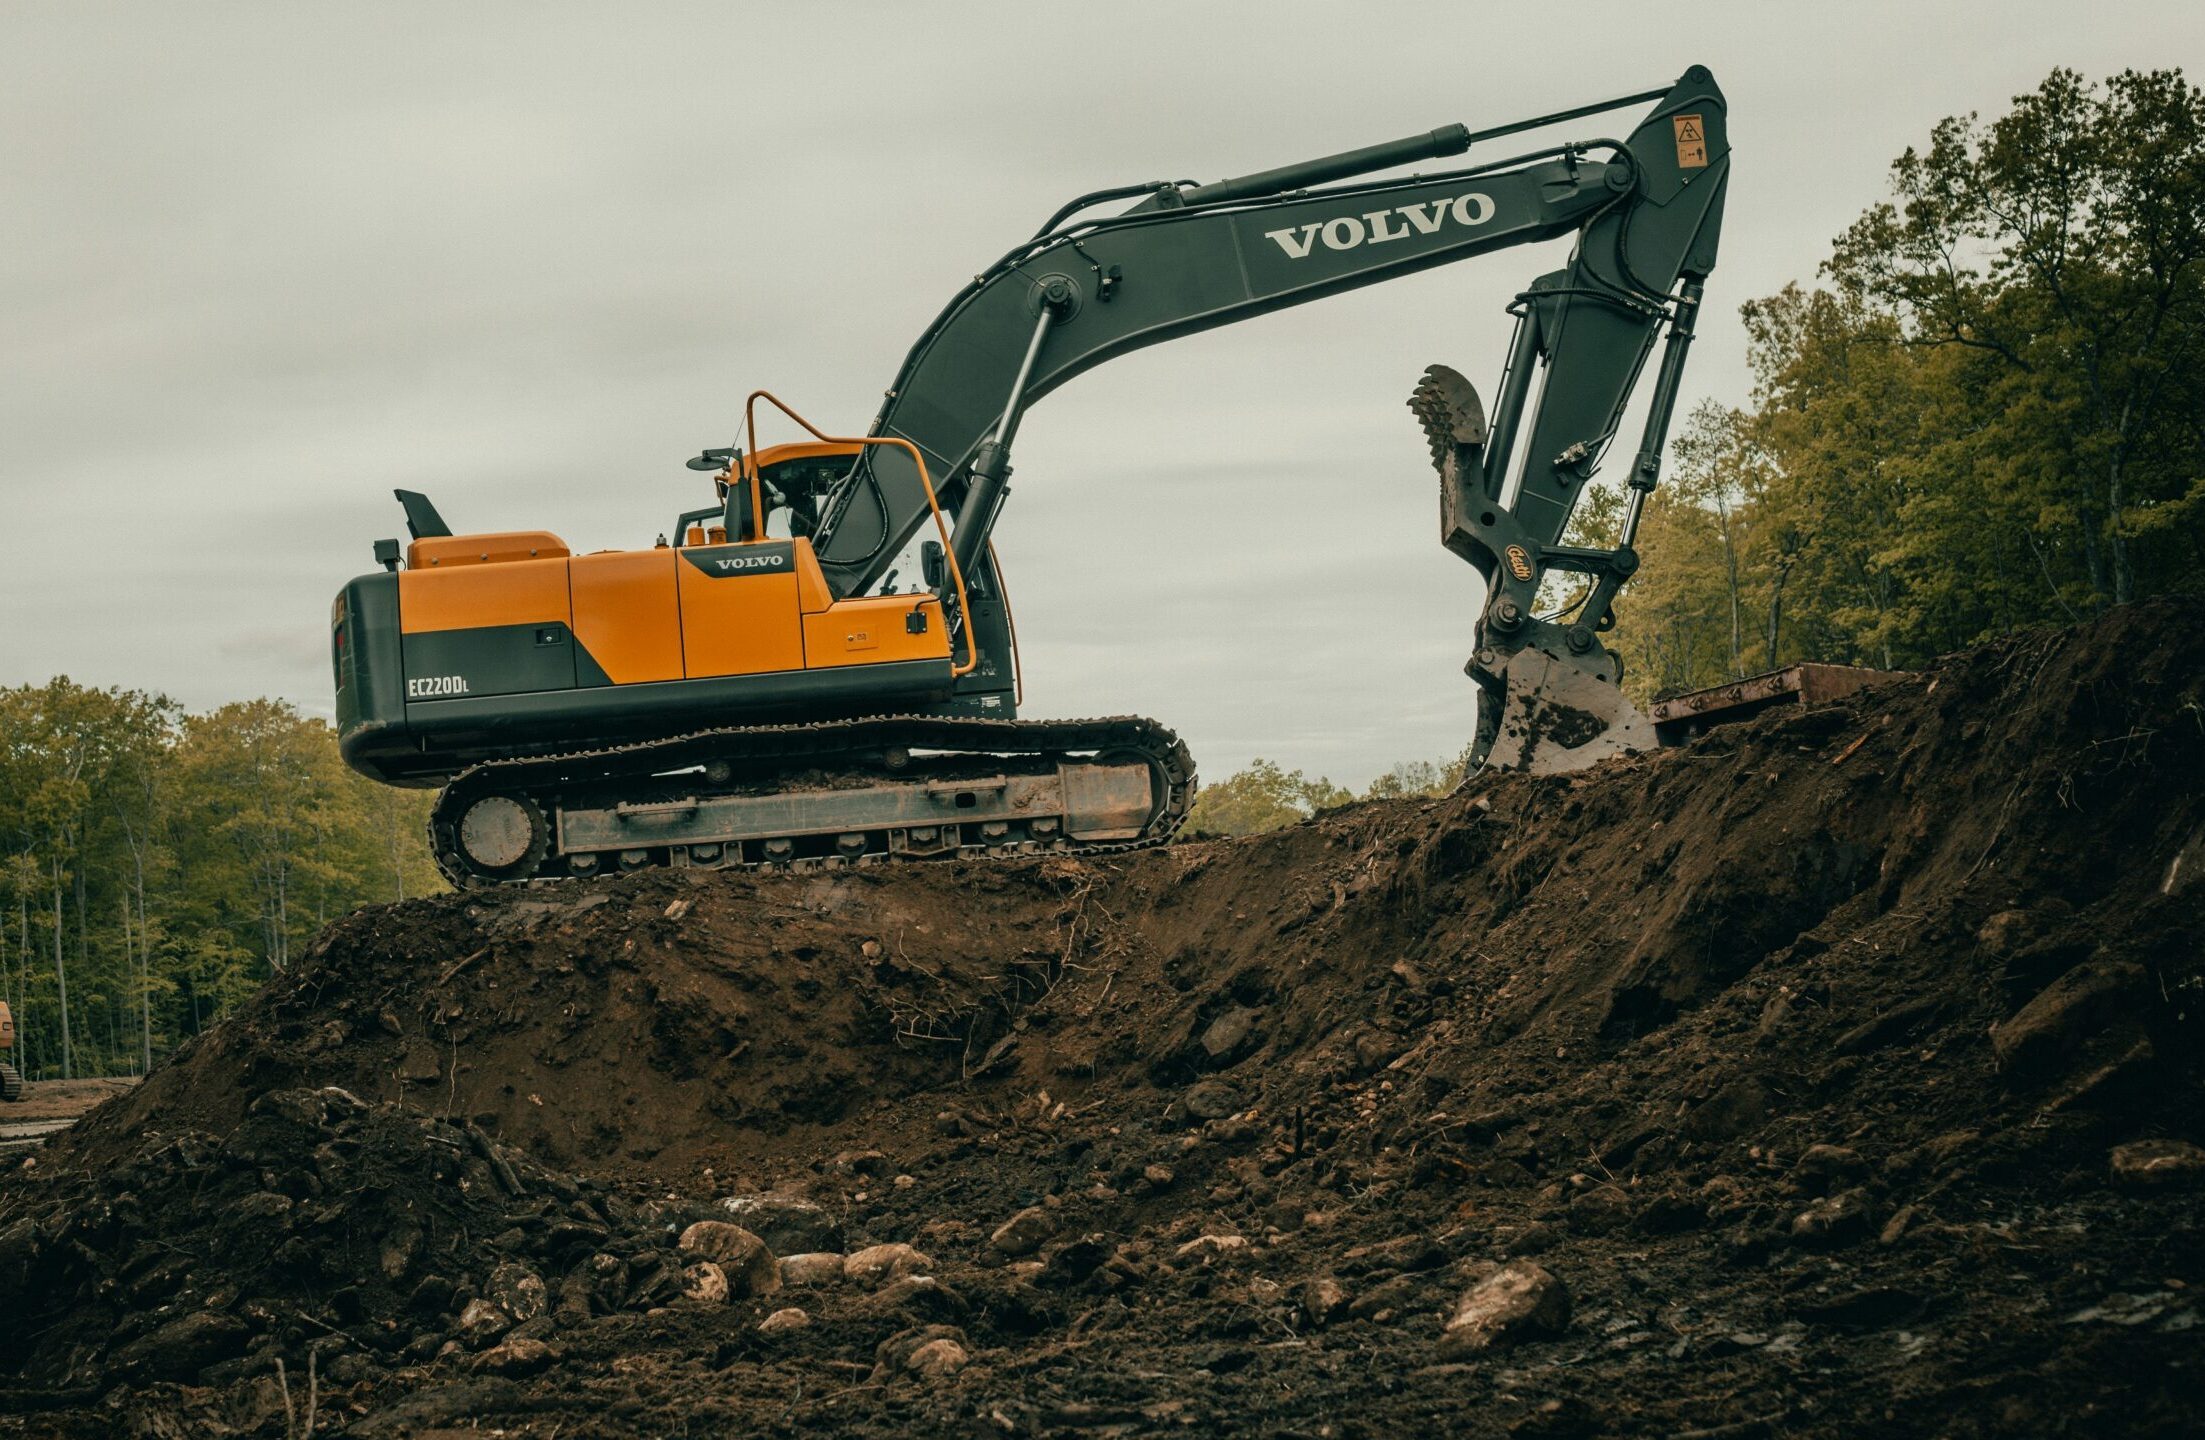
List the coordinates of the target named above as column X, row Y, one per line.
column 158, row 866
column 1988, row 412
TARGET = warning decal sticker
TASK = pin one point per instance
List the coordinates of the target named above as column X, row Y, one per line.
column 1691, row 141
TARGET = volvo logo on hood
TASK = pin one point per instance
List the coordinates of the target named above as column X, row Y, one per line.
column 1379, row 227
column 726, row 562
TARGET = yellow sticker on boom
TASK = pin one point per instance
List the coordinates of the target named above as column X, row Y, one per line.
column 1691, row 141
column 1519, row 562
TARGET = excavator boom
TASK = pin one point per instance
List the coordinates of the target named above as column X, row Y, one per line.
column 1646, row 211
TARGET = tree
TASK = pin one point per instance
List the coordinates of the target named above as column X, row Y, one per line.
column 2063, row 249
column 1990, row 417
column 156, row 867
column 1261, row 797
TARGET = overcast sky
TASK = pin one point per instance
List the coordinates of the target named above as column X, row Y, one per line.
column 265, row 262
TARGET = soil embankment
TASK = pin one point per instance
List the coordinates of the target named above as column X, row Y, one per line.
column 1834, row 1075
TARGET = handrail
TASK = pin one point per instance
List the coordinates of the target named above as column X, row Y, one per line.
column 941, row 526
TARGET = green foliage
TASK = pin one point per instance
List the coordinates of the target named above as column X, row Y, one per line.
column 1992, row 416
column 1264, row 797
column 156, row 867
column 1261, row 797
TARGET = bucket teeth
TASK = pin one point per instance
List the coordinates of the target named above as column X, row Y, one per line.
column 1447, row 406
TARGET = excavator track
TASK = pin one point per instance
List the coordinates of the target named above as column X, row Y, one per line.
column 812, row 796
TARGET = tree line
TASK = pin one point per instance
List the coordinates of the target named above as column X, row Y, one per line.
column 1988, row 413
column 157, row 866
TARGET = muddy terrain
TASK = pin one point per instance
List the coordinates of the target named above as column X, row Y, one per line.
column 1837, row 1074
column 49, row 1107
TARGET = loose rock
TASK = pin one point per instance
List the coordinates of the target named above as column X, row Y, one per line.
column 937, row 1360
column 2158, row 1165
column 183, row 1347
column 1323, row 1300
column 876, row 1264
column 788, row 1224
column 1827, row 1167
column 1024, row 1232
column 781, row 1321
column 749, row 1266
column 900, row 1352
column 1210, row 1100
column 518, row 1291
column 2087, row 1014
column 482, row 1322
column 705, row 1283
column 823, row 1268
column 1204, row 1248
column 1229, row 1036
column 1837, row 1220
column 1514, row 1302
column 514, row 1357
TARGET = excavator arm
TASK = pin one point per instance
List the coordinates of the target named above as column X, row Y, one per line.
column 1646, row 211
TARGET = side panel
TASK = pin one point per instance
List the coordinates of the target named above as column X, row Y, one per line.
column 739, row 607
column 463, row 597
column 874, row 629
column 627, row 617
column 485, row 629
column 489, row 660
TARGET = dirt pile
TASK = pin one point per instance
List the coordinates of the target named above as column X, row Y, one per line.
column 1836, row 1073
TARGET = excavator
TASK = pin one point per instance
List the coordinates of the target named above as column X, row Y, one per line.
column 821, row 666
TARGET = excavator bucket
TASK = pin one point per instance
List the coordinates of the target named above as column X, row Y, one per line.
column 1554, row 717
column 1547, row 706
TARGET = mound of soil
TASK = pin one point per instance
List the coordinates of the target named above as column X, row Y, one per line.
column 1836, row 1073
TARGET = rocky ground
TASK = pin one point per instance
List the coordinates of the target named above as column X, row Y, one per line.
column 1837, row 1074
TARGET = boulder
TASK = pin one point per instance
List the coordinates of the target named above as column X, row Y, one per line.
column 749, row 1266
column 781, row 1321
column 1511, row 1303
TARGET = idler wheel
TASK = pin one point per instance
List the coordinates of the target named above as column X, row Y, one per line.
column 502, row 836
